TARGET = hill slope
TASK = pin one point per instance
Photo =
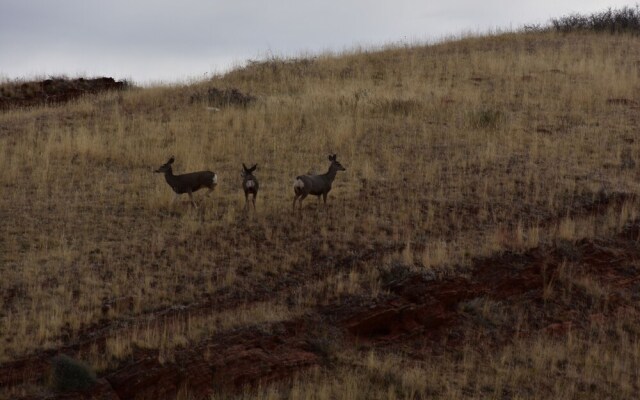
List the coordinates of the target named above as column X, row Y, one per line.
column 483, row 241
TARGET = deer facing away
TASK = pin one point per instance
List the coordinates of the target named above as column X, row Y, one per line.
column 249, row 184
column 316, row 185
column 188, row 183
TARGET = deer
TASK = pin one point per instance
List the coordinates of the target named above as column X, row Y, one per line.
column 188, row 183
column 249, row 184
column 316, row 185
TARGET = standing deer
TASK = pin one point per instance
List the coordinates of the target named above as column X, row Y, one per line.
column 249, row 184
column 316, row 185
column 188, row 183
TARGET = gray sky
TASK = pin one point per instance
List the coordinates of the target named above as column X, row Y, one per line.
column 151, row 41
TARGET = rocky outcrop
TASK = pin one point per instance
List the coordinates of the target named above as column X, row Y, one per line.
column 53, row 91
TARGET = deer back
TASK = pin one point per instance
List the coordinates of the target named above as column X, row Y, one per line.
column 192, row 181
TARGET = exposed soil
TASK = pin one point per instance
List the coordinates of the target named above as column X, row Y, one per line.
column 427, row 309
column 52, row 91
column 547, row 290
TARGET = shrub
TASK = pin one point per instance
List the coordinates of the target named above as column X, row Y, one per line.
column 393, row 273
column 624, row 20
column 70, row 374
column 487, row 118
column 221, row 98
column 400, row 107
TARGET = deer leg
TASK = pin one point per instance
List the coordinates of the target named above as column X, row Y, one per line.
column 246, row 200
column 324, row 201
column 302, row 198
column 254, row 201
column 191, row 198
column 294, row 201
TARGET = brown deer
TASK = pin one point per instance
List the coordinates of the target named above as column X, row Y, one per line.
column 249, row 184
column 316, row 185
column 188, row 183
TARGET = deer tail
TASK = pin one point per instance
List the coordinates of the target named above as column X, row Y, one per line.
column 298, row 185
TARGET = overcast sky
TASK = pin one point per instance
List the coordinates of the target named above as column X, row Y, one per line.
column 152, row 41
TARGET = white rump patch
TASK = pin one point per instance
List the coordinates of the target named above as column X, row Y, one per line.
column 215, row 179
column 250, row 184
column 298, row 184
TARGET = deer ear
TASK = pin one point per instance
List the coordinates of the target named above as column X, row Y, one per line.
column 253, row 168
column 171, row 160
column 245, row 167
column 331, row 157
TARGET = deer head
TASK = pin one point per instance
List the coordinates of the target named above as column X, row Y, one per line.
column 335, row 163
column 248, row 171
column 166, row 166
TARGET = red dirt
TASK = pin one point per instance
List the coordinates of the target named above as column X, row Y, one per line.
column 433, row 309
column 419, row 311
column 226, row 361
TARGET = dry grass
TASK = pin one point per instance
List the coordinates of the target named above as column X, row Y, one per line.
column 453, row 151
column 576, row 367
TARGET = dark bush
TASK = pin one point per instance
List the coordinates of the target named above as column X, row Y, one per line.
column 54, row 90
column 70, row 374
column 221, row 98
column 394, row 273
column 624, row 20
column 400, row 107
column 487, row 118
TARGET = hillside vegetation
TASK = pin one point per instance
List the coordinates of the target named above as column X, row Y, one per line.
column 482, row 242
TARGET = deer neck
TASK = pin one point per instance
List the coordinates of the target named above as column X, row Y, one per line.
column 331, row 174
column 169, row 176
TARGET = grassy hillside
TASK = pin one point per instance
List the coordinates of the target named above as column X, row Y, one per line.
column 458, row 152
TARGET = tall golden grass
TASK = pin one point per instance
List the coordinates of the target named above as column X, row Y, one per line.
column 453, row 151
column 573, row 367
